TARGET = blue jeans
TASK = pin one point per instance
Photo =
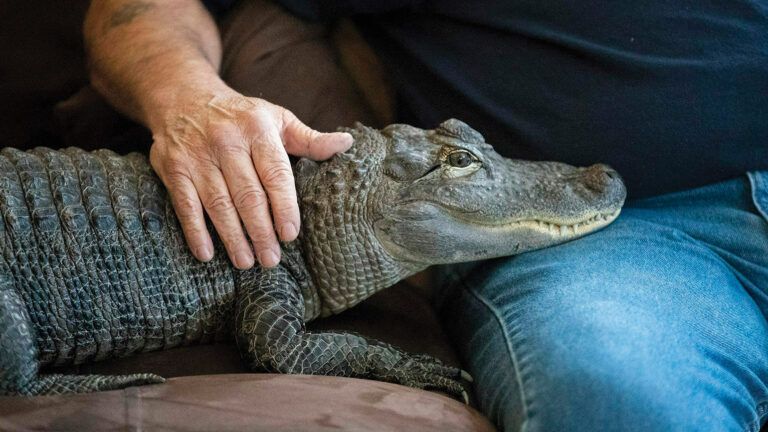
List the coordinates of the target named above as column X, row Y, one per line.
column 656, row 323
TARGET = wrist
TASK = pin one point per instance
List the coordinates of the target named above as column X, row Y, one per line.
column 164, row 98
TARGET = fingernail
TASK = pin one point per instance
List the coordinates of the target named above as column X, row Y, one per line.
column 204, row 253
column 288, row 231
column 268, row 258
column 243, row 260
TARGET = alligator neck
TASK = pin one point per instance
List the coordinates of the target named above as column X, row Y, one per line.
column 343, row 254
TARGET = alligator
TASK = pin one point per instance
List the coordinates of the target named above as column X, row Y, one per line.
column 94, row 263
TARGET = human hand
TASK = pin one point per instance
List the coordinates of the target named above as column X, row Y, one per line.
column 228, row 154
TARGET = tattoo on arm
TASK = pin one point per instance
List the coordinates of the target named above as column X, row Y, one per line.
column 128, row 12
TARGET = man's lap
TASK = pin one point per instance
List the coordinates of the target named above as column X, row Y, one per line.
column 652, row 321
column 658, row 322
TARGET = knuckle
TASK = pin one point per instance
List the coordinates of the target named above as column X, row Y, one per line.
column 262, row 234
column 195, row 233
column 277, row 174
column 264, row 243
column 233, row 240
column 175, row 176
column 250, row 198
column 259, row 249
column 218, row 131
column 231, row 147
column 264, row 142
column 226, row 139
column 190, row 220
column 186, row 208
column 157, row 157
column 219, row 203
column 286, row 211
column 287, row 118
column 258, row 104
column 257, row 118
column 174, row 166
column 160, row 156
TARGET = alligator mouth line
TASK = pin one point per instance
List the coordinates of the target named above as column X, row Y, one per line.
column 560, row 229
column 583, row 226
column 564, row 229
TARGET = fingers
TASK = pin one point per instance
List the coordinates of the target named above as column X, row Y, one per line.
column 217, row 201
column 250, row 199
column 301, row 140
column 190, row 214
column 276, row 176
column 232, row 163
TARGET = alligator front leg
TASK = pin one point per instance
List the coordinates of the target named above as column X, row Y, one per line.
column 272, row 336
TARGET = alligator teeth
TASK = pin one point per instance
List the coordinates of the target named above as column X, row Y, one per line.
column 573, row 229
column 564, row 230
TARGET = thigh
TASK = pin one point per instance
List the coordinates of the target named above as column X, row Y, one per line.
column 637, row 327
column 271, row 54
column 727, row 218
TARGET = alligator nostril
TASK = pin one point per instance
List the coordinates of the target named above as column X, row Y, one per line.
column 613, row 175
column 600, row 177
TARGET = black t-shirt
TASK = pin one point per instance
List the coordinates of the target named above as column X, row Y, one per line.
column 217, row 7
column 674, row 95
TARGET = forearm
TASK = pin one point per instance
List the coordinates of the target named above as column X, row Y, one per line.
column 147, row 55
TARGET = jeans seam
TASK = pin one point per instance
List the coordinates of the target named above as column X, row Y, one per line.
column 762, row 410
column 510, row 349
column 754, row 181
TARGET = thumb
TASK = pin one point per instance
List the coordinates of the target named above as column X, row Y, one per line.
column 301, row 140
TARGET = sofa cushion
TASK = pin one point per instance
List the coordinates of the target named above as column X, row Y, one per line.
column 252, row 402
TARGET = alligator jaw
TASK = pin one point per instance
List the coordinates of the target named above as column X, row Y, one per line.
column 426, row 234
column 564, row 229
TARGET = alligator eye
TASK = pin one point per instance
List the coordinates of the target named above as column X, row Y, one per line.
column 460, row 159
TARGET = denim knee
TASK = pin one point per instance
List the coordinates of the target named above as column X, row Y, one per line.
column 636, row 328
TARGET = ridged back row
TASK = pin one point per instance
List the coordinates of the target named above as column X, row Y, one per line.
column 93, row 247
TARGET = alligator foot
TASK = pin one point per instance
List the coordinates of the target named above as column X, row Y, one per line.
column 426, row 372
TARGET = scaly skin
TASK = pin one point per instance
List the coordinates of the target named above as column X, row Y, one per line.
column 94, row 263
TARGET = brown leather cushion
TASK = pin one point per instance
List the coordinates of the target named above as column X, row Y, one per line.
column 253, row 402
column 198, row 400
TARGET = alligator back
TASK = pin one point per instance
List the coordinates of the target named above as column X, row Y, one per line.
column 94, row 250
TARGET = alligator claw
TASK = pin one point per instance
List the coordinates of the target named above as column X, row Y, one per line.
column 466, row 376
column 425, row 372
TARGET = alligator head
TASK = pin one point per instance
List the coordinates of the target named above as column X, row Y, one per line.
column 415, row 198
